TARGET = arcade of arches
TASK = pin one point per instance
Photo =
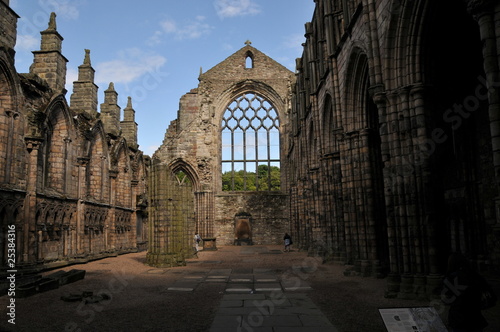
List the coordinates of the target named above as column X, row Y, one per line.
column 381, row 151
column 72, row 180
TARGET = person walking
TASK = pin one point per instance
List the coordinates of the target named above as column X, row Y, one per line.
column 288, row 241
column 197, row 240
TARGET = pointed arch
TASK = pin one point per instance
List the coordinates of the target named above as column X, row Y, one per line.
column 121, row 165
column 426, row 77
column 140, row 173
column 403, row 65
column 242, row 87
column 11, row 122
column 180, row 165
column 250, row 135
column 364, row 207
column 98, row 168
column 249, row 64
column 312, row 145
column 328, row 126
column 357, row 84
column 266, row 173
column 59, row 131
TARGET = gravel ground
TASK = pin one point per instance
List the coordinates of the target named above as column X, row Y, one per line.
column 139, row 299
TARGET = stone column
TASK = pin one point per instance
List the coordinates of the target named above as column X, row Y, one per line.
column 33, row 145
column 110, row 222
column 169, row 216
column 373, row 42
column 67, row 167
column 129, row 126
column 80, row 205
column 84, row 96
column 49, row 63
column 204, row 201
column 12, row 116
column 110, row 111
column 424, row 186
column 484, row 13
column 133, row 217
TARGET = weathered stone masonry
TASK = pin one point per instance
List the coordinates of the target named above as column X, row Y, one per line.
column 72, row 180
column 192, row 146
column 393, row 138
column 389, row 137
column 388, row 141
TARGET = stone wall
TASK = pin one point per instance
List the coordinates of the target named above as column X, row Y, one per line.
column 392, row 158
column 192, row 146
column 72, row 190
column 267, row 213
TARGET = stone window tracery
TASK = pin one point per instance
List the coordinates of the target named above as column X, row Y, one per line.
column 250, row 145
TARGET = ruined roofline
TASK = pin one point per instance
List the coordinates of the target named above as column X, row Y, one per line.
column 242, row 52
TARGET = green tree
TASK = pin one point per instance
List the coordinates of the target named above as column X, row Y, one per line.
column 268, row 179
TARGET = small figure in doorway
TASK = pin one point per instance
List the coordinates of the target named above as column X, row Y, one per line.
column 197, row 240
column 288, row 241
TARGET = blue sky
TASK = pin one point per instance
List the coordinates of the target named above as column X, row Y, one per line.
column 152, row 50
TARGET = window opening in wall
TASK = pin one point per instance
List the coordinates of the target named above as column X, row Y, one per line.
column 249, row 61
column 182, row 178
column 250, row 145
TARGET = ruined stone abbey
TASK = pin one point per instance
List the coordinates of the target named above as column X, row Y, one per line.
column 381, row 151
column 72, row 180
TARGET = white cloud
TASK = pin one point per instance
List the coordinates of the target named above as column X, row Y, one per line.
column 234, row 8
column 63, row 8
column 130, row 65
column 189, row 30
column 193, row 30
column 27, row 43
column 155, row 39
column 168, row 26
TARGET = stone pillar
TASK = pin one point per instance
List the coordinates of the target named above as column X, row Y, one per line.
column 110, row 111
column 67, row 167
column 84, row 96
column 484, row 13
column 33, row 145
column 169, row 218
column 373, row 44
column 49, row 64
column 13, row 117
column 129, row 126
column 110, row 220
column 80, row 205
column 133, row 217
column 424, row 183
column 205, row 213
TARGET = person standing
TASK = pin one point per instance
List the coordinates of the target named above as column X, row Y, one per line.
column 288, row 241
column 197, row 240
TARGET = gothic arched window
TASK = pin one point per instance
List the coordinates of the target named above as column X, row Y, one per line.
column 249, row 61
column 250, row 145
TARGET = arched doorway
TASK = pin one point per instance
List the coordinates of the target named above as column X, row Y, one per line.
column 242, row 229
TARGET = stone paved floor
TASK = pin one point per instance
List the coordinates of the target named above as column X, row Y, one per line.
column 259, row 299
column 247, row 288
